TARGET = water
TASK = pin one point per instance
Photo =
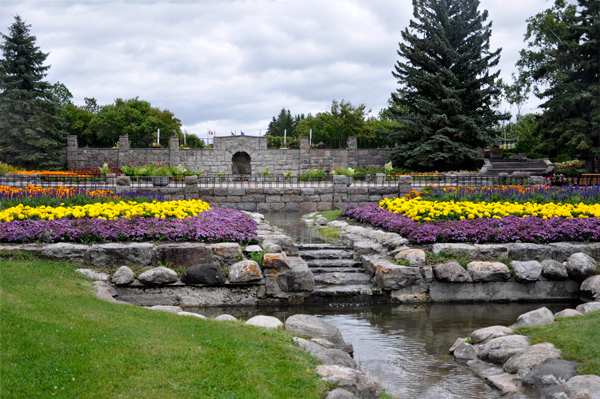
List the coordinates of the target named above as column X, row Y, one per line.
column 292, row 224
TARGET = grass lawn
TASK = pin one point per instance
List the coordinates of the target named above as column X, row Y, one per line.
column 59, row 339
column 578, row 337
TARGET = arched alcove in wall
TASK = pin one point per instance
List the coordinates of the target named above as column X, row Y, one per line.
column 241, row 164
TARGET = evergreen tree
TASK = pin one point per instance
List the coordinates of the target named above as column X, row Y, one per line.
column 284, row 122
column 444, row 102
column 31, row 128
column 563, row 62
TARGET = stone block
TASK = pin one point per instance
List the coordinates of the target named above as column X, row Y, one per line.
column 220, row 191
column 457, row 249
column 530, row 251
column 563, row 250
column 184, row 254
column 394, row 277
column 273, row 198
column 225, row 254
column 488, row 271
column 277, row 206
column 527, row 271
column 66, row 252
column 113, row 255
column 247, row 206
column 324, row 206
column 292, row 207
column 232, row 199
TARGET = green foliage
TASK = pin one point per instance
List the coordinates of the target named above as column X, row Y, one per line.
column 156, row 169
column 5, row 168
column 191, row 140
column 313, row 175
column 446, row 256
column 32, row 135
column 329, row 233
column 97, row 349
column 446, row 87
column 331, row 215
column 277, row 142
column 284, row 122
column 561, row 62
column 402, row 262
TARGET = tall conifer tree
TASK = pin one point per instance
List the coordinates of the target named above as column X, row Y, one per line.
column 444, row 102
column 31, row 134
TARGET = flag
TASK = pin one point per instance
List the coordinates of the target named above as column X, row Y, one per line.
column 233, row 134
column 242, row 133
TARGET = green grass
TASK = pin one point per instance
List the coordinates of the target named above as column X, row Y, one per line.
column 58, row 338
column 331, row 215
column 444, row 256
column 577, row 337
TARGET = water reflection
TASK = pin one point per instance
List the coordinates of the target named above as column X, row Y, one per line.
column 294, row 226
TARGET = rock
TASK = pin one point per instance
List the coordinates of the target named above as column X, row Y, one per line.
column 550, row 372
column 158, row 275
column 164, row 308
column 113, row 254
column 284, row 242
column 587, row 384
column 271, row 247
column 527, row 271
column 580, row 266
column 225, row 317
column 191, row 314
column 209, row 274
column 94, row 275
column 588, row 307
column 499, row 350
column 567, row 313
column 492, row 251
column 457, row 249
column 224, row 254
column 298, row 278
column 531, row 357
column 456, row 343
column 123, row 276
column 338, row 223
column 252, row 248
column 327, row 355
column 451, row 272
column 488, row 271
column 394, row 277
column 537, row 317
column 590, row 289
column 183, row 254
column 528, row 251
column 464, row 352
column 504, row 382
column 562, row 250
column 65, row 252
column 366, row 247
column 414, row 257
column 304, row 324
column 339, row 393
column 265, row 321
column 484, row 335
column 351, row 379
column 277, row 261
column 105, row 292
column 244, row 272
column 553, row 270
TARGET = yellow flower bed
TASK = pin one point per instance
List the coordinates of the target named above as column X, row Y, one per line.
column 420, row 210
column 108, row 210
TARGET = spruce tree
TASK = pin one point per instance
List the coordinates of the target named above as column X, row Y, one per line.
column 31, row 135
column 444, row 102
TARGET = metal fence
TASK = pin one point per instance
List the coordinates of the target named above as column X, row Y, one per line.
column 468, row 181
column 46, row 181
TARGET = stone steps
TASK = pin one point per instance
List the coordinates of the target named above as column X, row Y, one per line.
column 324, row 279
column 323, row 263
column 326, row 254
column 319, row 270
column 346, row 290
column 319, row 247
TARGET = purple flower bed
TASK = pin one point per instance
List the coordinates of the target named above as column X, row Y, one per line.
column 508, row 229
column 215, row 225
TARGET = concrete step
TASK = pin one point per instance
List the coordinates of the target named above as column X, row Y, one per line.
column 326, row 254
column 342, row 279
column 318, row 247
column 333, row 263
column 346, row 290
column 319, row 270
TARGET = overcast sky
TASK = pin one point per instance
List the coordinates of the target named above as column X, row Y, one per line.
column 232, row 65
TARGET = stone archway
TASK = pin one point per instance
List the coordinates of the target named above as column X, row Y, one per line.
column 241, row 164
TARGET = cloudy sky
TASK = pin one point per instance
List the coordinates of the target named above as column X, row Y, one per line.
column 230, row 65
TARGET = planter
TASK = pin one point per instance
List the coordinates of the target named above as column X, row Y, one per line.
column 160, row 181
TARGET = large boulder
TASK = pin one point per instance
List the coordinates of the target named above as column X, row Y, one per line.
column 265, row 321
column 527, row 270
column 244, row 272
column 567, row 313
column 327, row 355
column 553, row 270
column 537, row 317
column 562, row 250
column 492, row 251
column 457, row 249
column 588, row 307
column 464, row 352
column 504, row 382
column 276, row 261
column 225, row 317
column 394, row 277
column 586, row 384
column 488, row 271
column 528, row 251
column 580, row 266
column 550, row 372
column 166, row 308
column 123, row 276
column 94, row 274
column 531, row 357
column 590, row 289
column 451, row 272
column 113, row 254
column 105, row 291
column 66, row 252
column 157, row 276
column 500, row 349
column 414, row 257
column 350, row 379
column 484, row 335
column 312, row 326
column 284, row 242
column 340, row 393
column 181, row 254
column 224, row 254
column 366, row 247
column 209, row 274
column 299, row 278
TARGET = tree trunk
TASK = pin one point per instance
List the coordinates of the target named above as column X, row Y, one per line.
column 590, row 165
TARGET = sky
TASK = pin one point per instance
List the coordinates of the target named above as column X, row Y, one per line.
column 231, row 65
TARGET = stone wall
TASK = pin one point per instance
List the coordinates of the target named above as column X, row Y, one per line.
column 220, row 157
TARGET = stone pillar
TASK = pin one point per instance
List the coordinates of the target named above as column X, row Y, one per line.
column 111, row 179
column 404, row 185
column 123, row 151
column 340, row 191
column 123, row 183
column 352, row 152
column 379, row 179
column 72, row 158
column 174, row 151
column 191, row 187
column 536, row 181
column 35, row 180
column 304, row 155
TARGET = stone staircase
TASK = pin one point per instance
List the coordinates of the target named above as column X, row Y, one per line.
column 535, row 167
column 339, row 275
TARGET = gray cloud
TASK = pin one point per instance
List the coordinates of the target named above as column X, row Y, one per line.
column 231, row 65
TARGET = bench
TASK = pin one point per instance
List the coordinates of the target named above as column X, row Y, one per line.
column 589, row 179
